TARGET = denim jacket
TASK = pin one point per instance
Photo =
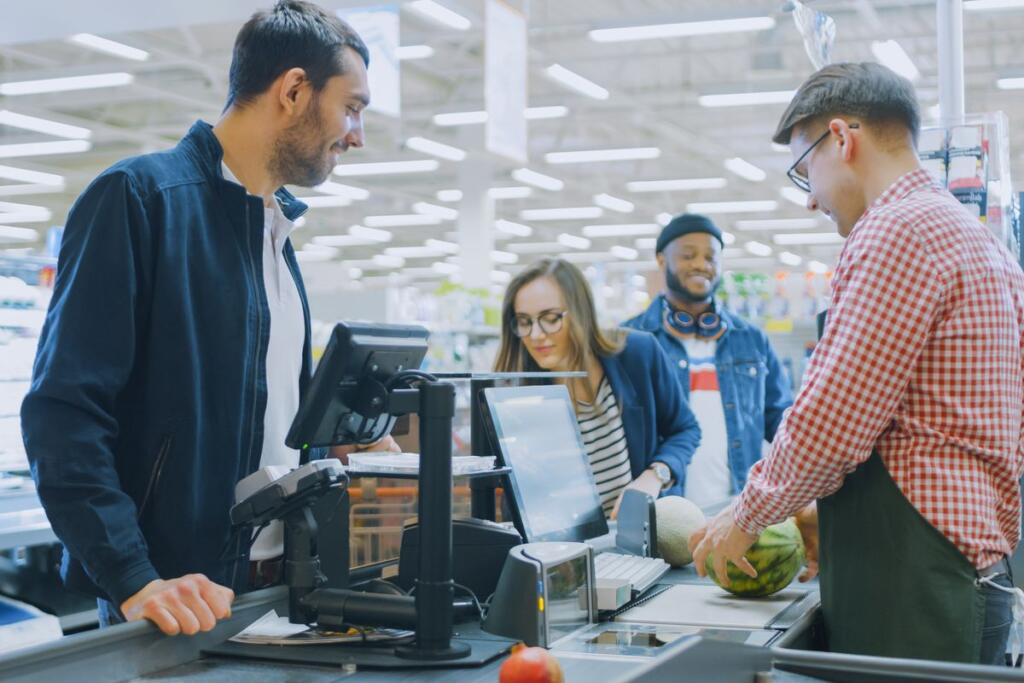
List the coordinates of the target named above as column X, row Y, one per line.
column 755, row 389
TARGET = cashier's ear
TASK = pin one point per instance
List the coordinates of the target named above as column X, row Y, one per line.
column 294, row 90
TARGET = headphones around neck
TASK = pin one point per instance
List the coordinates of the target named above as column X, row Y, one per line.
column 707, row 325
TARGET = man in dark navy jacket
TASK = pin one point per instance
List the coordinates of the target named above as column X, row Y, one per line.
column 178, row 337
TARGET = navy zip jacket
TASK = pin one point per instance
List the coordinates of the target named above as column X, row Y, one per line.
column 656, row 418
column 149, row 387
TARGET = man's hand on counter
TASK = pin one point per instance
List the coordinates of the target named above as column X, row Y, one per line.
column 807, row 522
column 188, row 605
column 726, row 542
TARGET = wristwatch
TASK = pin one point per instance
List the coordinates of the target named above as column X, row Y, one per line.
column 663, row 473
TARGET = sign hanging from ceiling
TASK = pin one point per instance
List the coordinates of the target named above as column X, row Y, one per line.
column 505, row 80
column 378, row 27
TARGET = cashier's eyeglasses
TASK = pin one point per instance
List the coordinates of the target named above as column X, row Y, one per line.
column 550, row 322
column 800, row 179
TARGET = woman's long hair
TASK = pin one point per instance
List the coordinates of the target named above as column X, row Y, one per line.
column 587, row 341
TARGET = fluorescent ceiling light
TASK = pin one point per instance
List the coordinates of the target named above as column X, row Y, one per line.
column 29, row 188
column 510, row 228
column 355, row 273
column 501, row 277
column 449, row 195
column 442, row 246
column 371, row 234
column 9, row 232
column 460, row 118
column 554, row 112
column 817, row 267
column 109, row 47
column 442, row 212
column 400, row 220
column 38, row 125
column 408, row 52
column 808, row 238
column 320, row 202
column 728, row 237
column 65, row 84
column 891, row 54
column 388, row 261
column 790, row 259
column 741, row 99
column 413, row 252
column 621, row 230
column 437, row 149
column 678, row 184
column 439, row 14
column 330, row 187
column 338, row 241
column 626, row 253
column 745, row 169
column 445, row 268
column 646, row 243
column 30, row 149
column 588, row 156
column 567, row 214
column 574, row 81
column 506, row 257
column 1010, row 83
column 544, row 182
column 512, row 192
column 758, row 248
column 536, row 247
column 573, row 241
column 732, row 207
column 795, row 195
column 777, row 224
column 606, row 201
column 387, row 167
column 26, row 176
column 664, row 218
column 11, row 212
column 990, row 5
column 638, row 281
column 681, row 30
column 315, row 255
column 467, row 118
column 586, row 256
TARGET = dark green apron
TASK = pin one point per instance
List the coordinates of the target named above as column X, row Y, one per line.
column 891, row 584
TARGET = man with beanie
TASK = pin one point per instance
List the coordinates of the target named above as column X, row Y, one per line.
column 729, row 372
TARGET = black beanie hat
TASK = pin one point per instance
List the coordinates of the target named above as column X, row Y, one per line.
column 684, row 224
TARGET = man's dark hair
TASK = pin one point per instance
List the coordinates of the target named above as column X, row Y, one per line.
column 866, row 90
column 293, row 34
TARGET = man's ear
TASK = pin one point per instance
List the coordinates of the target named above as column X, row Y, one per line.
column 660, row 257
column 291, row 89
column 845, row 138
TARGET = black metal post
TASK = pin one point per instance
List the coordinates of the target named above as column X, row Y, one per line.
column 434, row 590
column 481, row 490
column 302, row 572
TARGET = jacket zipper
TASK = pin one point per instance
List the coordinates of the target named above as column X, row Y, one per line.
column 154, row 478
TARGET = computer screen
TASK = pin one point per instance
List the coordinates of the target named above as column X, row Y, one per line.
column 553, row 495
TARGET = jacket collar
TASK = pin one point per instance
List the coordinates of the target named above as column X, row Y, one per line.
column 206, row 148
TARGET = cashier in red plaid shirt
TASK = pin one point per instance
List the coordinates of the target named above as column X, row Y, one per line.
column 907, row 429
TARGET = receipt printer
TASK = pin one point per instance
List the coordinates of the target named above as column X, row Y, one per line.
column 479, row 549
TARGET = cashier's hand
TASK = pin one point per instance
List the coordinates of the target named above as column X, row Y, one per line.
column 807, row 522
column 726, row 542
column 385, row 445
column 188, row 605
column 647, row 482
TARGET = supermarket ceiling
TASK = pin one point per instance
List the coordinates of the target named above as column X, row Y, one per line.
column 656, row 99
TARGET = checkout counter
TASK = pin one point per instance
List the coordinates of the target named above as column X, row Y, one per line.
column 682, row 628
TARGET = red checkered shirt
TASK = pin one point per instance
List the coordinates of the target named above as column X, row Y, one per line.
column 923, row 360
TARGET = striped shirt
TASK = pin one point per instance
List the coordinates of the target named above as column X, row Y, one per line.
column 923, row 361
column 605, row 441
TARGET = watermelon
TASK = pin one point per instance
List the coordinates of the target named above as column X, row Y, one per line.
column 777, row 556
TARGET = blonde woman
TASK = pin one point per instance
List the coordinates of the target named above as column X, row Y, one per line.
column 638, row 430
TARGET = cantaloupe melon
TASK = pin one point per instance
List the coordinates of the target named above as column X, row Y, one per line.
column 677, row 519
